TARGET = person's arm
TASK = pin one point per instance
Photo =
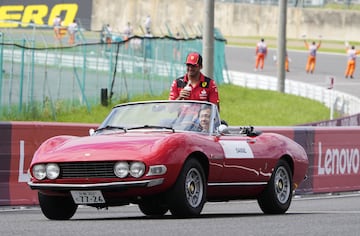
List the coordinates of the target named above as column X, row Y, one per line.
column 214, row 94
column 174, row 92
column 306, row 44
column 177, row 93
column 266, row 51
column 319, row 44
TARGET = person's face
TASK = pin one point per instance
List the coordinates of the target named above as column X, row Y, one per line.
column 204, row 117
column 193, row 70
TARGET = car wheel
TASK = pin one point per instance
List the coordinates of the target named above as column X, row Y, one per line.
column 187, row 198
column 276, row 197
column 57, row 208
column 153, row 207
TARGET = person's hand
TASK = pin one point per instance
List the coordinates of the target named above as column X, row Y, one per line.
column 184, row 94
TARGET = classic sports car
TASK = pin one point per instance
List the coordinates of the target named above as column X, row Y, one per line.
column 166, row 156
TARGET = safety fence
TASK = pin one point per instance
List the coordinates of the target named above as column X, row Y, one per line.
column 40, row 74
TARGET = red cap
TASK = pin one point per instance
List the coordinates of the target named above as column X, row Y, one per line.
column 194, row 58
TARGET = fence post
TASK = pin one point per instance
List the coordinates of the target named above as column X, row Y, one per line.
column 1, row 66
column 104, row 97
column 22, row 62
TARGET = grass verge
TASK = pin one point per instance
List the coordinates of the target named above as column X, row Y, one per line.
column 239, row 106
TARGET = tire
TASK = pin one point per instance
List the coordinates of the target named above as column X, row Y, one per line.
column 276, row 197
column 188, row 196
column 153, row 207
column 57, row 208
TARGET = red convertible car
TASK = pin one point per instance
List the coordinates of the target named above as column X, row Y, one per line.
column 166, row 156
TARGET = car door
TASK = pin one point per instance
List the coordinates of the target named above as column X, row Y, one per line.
column 246, row 160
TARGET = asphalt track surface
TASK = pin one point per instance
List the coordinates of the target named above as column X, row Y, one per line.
column 320, row 215
column 327, row 65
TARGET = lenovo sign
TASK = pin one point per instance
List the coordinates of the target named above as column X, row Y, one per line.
column 338, row 161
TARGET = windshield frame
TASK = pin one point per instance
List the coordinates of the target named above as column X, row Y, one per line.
column 137, row 116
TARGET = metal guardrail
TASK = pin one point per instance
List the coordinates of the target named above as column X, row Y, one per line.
column 342, row 102
column 296, row 3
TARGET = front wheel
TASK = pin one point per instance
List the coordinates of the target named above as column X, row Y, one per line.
column 276, row 197
column 187, row 198
column 57, row 208
column 153, row 207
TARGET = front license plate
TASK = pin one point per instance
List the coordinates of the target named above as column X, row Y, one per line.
column 87, row 197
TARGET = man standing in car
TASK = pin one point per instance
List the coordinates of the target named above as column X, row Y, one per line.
column 194, row 85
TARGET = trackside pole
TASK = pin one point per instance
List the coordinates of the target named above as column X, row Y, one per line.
column 330, row 86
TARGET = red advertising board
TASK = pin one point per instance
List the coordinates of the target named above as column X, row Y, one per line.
column 26, row 137
column 336, row 159
column 334, row 156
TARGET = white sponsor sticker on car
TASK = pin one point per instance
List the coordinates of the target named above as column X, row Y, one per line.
column 236, row 149
column 87, row 197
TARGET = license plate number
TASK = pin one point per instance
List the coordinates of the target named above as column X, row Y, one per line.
column 87, row 197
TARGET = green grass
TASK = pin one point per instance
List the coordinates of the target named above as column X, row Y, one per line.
column 239, row 106
column 242, row 106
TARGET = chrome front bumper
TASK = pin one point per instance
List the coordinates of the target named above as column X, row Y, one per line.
column 98, row 186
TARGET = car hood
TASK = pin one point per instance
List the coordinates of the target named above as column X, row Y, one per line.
column 126, row 146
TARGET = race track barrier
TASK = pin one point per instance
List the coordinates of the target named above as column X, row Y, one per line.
column 345, row 103
column 333, row 156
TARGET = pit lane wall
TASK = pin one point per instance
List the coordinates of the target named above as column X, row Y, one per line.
column 333, row 156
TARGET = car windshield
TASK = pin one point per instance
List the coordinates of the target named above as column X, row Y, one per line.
column 169, row 115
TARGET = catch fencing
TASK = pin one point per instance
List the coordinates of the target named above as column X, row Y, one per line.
column 44, row 75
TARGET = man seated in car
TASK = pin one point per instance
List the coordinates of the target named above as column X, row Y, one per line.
column 204, row 119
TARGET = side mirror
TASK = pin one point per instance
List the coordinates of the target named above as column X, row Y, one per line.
column 91, row 132
column 222, row 128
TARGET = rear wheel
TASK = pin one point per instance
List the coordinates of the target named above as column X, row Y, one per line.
column 57, row 208
column 187, row 198
column 276, row 197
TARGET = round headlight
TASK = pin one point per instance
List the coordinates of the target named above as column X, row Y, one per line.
column 137, row 169
column 52, row 171
column 121, row 169
column 39, row 171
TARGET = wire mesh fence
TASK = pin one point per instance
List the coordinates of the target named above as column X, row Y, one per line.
column 41, row 74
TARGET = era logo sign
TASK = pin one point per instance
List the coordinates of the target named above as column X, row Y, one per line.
column 12, row 15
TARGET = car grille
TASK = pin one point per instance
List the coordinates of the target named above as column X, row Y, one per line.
column 87, row 170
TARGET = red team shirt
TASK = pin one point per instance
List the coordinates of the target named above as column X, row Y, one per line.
column 205, row 90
